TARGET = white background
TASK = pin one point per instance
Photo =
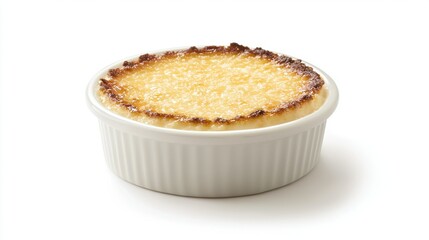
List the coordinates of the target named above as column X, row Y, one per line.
column 372, row 181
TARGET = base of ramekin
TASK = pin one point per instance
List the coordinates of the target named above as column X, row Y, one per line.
column 218, row 196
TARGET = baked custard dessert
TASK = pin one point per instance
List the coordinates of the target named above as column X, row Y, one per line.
column 213, row 88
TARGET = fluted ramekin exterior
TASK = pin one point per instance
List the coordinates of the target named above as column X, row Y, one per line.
column 211, row 170
column 212, row 164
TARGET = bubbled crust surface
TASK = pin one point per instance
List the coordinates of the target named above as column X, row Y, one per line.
column 140, row 99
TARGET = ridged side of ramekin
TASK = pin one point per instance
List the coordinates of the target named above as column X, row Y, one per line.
column 208, row 170
column 211, row 163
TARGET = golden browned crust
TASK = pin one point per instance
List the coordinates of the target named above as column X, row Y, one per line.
column 114, row 91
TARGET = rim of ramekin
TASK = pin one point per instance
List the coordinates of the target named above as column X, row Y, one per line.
column 312, row 119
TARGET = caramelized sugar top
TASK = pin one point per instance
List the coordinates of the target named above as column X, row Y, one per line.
column 211, row 85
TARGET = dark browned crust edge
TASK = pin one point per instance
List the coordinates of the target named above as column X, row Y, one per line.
column 315, row 82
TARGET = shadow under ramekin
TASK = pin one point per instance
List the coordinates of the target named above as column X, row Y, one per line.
column 326, row 188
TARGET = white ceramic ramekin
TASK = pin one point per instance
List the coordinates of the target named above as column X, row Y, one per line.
column 211, row 163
